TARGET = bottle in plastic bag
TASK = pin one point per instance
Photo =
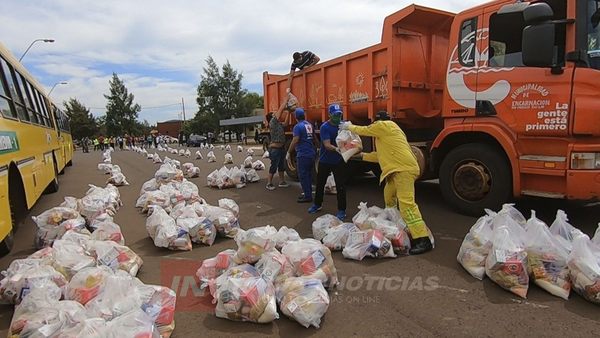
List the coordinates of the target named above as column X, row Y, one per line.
column 476, row 246
column 311, row 258
column 274, row 267
column 247, row 299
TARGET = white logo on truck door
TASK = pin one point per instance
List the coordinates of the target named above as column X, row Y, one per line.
column 458, row 89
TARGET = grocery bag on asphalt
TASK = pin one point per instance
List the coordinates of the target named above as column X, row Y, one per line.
column 118, row 179
column 229, row 204
column 564, row 231
column 303, row 299
column 201, row 229
column 362, row 216
column 547, row 259
column 70, row 258
column 336, row 237
column 311, row 258
column 115, row 256
column 247, row 299
column 349, row 144
column 584, row 266
column 228, row 159
column 274, row 267
column 369, row 243
column 135, row 323
column 23, row 275
column 236, row 271
column 238, row 177
column 506, row 263
column 240, row 149
column 119, row 295
column 252, row 176
column 211, row 157
column 86, row 284
column 258, row 165
column 212, row 268
column 284, row 235
column 108, row 231
column 248, row 162
column 322, row 223
column 224, row 220
column 476, row 246
column 265, row 154
column 252, row 243
column 164, row 231
column 199, row 155
column 159, row 304
column 53, row 223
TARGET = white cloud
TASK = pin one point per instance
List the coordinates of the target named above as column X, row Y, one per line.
column 159, row 47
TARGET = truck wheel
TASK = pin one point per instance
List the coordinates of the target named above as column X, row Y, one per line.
column 474, row 177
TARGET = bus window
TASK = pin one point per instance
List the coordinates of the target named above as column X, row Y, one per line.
column 26, row 98
column 46, row 111
column 12, row 88
column 36, row 105
column 43, row 109
column 6, row 107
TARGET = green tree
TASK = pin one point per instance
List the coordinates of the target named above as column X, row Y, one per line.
column 121, row 112
column 83, row 123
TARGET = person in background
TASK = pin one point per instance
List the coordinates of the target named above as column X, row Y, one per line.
column 101, row 142
column 96, row 144
column 106, row 143
column 302, row 60
column 330, row 161
column 243, row 138
column 303, row 144
column 85, row 145
column 277, row 124
column 399, row 170
column 120, row 142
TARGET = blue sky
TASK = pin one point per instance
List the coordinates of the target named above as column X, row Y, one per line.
column 158, row 48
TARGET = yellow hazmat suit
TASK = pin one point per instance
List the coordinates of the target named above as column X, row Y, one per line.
column 399, row 169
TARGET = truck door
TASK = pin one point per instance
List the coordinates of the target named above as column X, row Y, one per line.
column 531, row 101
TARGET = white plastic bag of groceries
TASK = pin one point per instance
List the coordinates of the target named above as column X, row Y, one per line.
column 564, row 231
column 105, row 167
column 229, row 204
column 199, row 155
column 336, row 237
column 186, row 166
column 70, row 258
column 547, row 259
column 238, row 177
column 292, row 101
column 228, row 148
column 188, row 153
column 252, row 176
column 181, row 152
column 193, row 172
column 159, row 305
column 250, row 152
column 22, row 275
column 596, row 238
column 303, row 299
column 322, row 223
column 211, row 179
column 164, row 231
column 312, row 259
column 115, row 256
column 87, row 284
column 330, row 188
column 108, row 231
column 120, row 294
column 150, row 185
column 228, row 159
column 53, row 223
column 248, row 162
column 249, row 299
column 135, row 323
column 349, row 144
column 274, row 267
column 284, row 235
column 476, row 245
column 224, row 220
column 211, row 157
column 258, row 165
column 89, row 328
column 212, row 268
column 362, row 216
column 265, row 154
column 156, row 158
column 584, row 266
column 369, row 243
column 166, row 173
column 201, row 229
column 118, row 180
column 506, row 263
column 252, row 243
column 240, row 149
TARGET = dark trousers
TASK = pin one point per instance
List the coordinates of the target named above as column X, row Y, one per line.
column 305, row 168
column 340, row 175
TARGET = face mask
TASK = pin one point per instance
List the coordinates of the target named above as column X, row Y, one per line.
column 336, row 119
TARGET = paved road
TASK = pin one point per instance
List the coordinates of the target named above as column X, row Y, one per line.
column 433, row 295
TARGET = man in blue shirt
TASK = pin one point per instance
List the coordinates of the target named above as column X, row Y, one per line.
column 331, row 161
column 303, row 144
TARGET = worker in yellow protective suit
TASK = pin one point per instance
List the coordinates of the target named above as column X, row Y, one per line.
column 399, row 169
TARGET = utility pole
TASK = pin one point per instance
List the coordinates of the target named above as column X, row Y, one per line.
column 183, row 109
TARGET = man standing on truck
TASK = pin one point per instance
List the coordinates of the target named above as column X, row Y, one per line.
column 399, row 170
column 276, row 147
column 330, row 161
column 301, row 61
column 303, row 144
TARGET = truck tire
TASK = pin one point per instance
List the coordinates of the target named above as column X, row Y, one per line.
column 474, row 177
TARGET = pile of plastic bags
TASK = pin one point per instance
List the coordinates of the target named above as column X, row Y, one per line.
column 512, row 252
column 374, row 232
column 178, row 216
column 229, row 178
column 249, row 283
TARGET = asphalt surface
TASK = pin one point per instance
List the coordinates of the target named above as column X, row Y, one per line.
column 431, row 295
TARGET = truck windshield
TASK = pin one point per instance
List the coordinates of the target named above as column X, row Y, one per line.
column 593, row 33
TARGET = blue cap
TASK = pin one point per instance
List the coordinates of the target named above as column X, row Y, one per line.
column 335, row 109
column 299, row 113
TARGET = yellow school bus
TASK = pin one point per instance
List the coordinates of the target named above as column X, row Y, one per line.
column 35, row 144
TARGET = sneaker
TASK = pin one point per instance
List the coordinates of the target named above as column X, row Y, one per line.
column 304, row 200
column 341, row 215
column 270, row 186
column 314, row 209
column 283, row 184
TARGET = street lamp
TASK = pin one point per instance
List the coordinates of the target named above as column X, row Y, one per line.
column 34, row 41
column 62, row 83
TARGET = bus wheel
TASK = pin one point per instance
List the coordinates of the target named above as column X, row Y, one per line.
column 7, row 244
column 70, row 163
column 474, row 177
column 53, row 186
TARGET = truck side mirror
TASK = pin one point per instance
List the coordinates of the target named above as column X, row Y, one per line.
column 538, row 45
column 538, row 13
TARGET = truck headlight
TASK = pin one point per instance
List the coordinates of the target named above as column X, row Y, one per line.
column 585, row 161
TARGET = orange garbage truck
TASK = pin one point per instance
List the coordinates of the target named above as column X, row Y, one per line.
column 498, row 101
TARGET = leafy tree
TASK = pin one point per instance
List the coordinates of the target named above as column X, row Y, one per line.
column 121, row 112
column 83, row 123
